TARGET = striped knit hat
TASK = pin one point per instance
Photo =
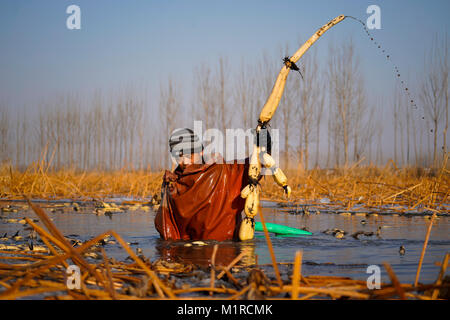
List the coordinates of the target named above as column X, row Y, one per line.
column 184, row 141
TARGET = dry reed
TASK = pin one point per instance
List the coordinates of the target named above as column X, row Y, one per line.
column 109, row 279
column 356, row 188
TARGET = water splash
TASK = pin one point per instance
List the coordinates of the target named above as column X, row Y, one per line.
column 389, row 58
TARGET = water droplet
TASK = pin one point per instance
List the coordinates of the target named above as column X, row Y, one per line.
column 397, row 72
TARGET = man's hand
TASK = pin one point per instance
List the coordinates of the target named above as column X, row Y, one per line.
column 169, row 177
column 263, row 139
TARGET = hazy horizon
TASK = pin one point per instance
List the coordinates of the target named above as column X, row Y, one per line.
column 140, row 44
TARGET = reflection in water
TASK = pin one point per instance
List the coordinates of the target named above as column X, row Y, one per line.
column 188, row 252
column 322, row 253
column 249, row 258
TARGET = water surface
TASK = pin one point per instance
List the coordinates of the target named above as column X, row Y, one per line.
column 323, row 254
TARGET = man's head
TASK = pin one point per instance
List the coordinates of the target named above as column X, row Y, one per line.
column 185, row 147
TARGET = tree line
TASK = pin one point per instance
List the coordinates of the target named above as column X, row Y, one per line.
column 326, row 119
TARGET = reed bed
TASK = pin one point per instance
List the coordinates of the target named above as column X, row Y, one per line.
column 355, row 188
column 43, row 275
column 367, row 188
column 39, row 181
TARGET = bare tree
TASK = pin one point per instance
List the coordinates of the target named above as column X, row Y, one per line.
column 87, row 137
column 379, row 133
column 244, row 95
column 414, row 131
column 343, row 76
column 407, row 112
column 169, row 106
column 397, row 122
column 310, row 98
column 318, row 116
column 4, row 134
column 434, row 88
column 222, row 91
column 18, row 141
column 358, row 114
column 329, row 134
column 445, row 70
column 204, row 96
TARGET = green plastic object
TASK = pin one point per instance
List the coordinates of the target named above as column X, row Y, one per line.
column 280, row 229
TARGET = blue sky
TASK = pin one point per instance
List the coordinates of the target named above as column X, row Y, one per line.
column 141, row 42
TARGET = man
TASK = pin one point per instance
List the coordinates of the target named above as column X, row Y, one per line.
column 200, row 200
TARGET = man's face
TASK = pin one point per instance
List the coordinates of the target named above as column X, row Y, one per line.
column 186, row 160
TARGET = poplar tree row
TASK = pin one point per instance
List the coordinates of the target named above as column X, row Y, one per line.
column 325, row 119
